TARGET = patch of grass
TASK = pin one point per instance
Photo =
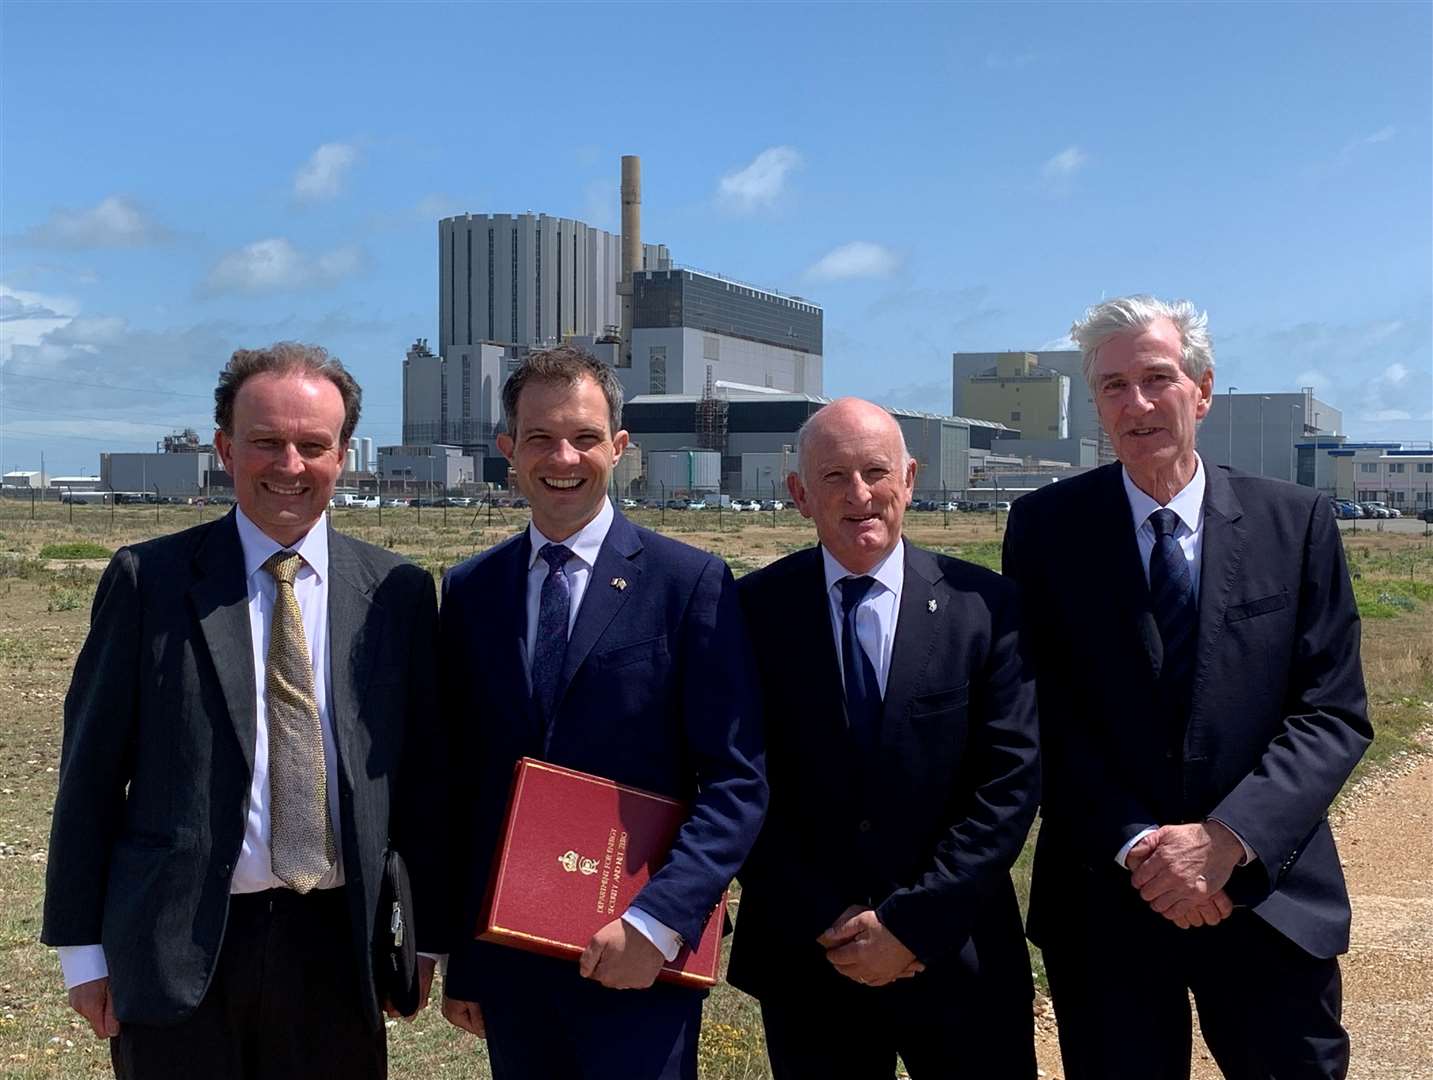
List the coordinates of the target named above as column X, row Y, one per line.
column 22, row 566
column 62, row 599
column 1381, row 597
column 19, row 649
column 75, row 549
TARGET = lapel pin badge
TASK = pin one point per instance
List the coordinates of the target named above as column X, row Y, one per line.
column 619, row 583
column 931, row 605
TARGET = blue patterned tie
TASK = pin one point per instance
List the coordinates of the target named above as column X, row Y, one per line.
column 863, row 689
column 550, row 650
column 1175, row 610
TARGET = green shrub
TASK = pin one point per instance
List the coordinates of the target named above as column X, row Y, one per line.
column 79, row 549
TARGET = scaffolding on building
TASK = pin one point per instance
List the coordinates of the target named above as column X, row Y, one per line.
column 711, row 418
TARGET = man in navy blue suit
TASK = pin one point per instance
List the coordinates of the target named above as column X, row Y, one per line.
column 601, row 646
column 1201, row 703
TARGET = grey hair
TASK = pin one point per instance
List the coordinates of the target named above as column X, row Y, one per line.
column 803, row 434
column 1126, row 313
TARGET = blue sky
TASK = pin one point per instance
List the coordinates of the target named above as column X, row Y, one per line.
column 182, row 180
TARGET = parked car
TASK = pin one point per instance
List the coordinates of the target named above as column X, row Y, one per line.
column 1003, row 506
column 1373, row 510
column 697, row 504
column 1346, row 510
column 629, row 504
column 1426, row 516
column 395, row 502
column 772, row 504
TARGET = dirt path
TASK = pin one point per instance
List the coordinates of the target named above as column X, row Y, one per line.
column 1385, row 837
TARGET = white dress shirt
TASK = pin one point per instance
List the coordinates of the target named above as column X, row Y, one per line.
column 1188, row 506
column 252, row 871
column 585, row 545
column 877, row 612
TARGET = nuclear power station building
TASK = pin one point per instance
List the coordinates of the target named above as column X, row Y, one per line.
column 510, row 283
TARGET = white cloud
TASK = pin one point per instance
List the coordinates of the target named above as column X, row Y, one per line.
column 26, row 317
column 116, row 222
column 1383, row 134
column 436, row 205
column 88, row 331
column 1377, row 373
column 1383, row 416
column 858, row 259
column 321, row 176
column 1065, row 164
column 1063, row 343
column 275, row 264
column 760, row 183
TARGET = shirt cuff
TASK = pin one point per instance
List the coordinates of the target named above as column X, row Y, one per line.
column 667, row 940
column 1133, row 840
column 1249, row 855
column 82, row 964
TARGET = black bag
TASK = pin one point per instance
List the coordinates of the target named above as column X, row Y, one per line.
column 395, row 953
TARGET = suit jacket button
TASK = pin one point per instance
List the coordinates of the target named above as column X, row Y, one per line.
column 865, row 826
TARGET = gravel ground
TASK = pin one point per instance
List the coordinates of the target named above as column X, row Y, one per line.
column 1385, row 837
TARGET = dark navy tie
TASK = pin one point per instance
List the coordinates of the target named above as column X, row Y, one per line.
column 1175, row 610
column 863, row 689
column 550, row 650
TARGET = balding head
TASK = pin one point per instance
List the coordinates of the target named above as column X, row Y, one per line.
column 843, row 416
column 855, row 481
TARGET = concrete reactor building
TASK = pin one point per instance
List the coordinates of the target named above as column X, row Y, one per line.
column 510, row 283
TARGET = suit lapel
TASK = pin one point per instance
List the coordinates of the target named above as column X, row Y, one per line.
column 1111, row 532
column 354, row 639
column 220, row 600
column 919, row 625
column 810, row 615
column 1222, row 554
column 617, row 561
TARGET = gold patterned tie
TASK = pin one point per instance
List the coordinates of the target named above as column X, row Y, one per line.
column 301, row 845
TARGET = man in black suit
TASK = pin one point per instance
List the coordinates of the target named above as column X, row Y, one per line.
column 877, row 913
column 1201, row 704
column 250, row 722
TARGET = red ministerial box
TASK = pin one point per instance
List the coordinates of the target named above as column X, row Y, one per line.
column 576, row 849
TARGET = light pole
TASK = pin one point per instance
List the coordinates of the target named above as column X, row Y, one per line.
column 1262, row 398
column 1294, row 410
column 1230, row 395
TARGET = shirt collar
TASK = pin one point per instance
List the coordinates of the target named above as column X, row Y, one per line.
column 259, row 545
column 584, row 544
column 890, row 571
column 1187, row 504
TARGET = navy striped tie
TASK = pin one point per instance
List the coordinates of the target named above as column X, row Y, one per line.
column 1175, row 610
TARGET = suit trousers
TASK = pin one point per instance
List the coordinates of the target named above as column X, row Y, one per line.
column 550, row 1022
column 283, row 1003
column 830, row 1028
column 1121, row 994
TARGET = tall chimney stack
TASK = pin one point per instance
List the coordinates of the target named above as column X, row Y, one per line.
column 631, row 245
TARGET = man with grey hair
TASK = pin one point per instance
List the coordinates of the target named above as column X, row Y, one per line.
column 1195, row 641
column 251, row 724
column 901, row 750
